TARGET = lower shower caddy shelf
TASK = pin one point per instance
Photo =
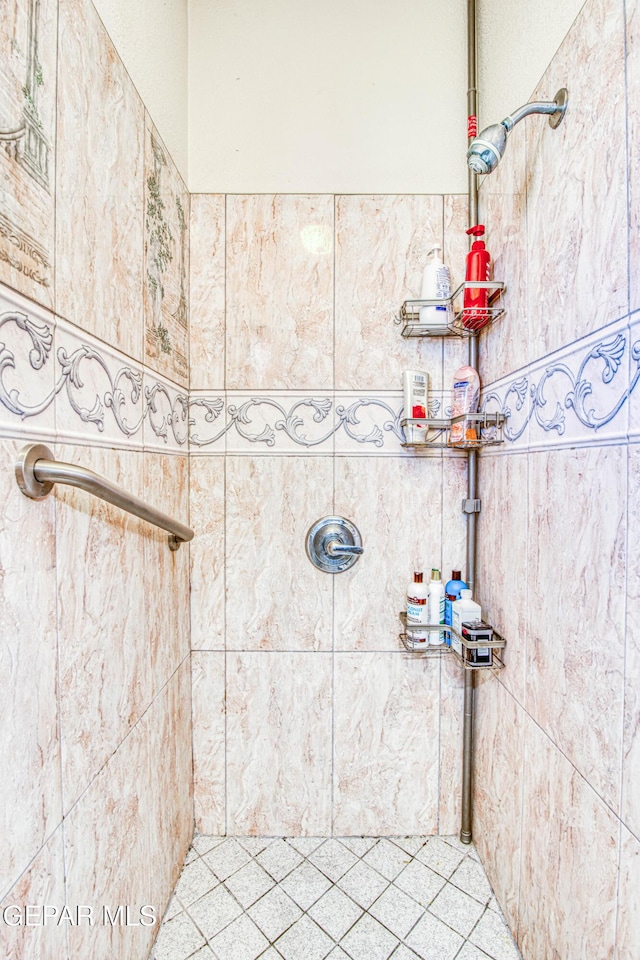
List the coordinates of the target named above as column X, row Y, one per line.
column 478, row 430
column 425, row 650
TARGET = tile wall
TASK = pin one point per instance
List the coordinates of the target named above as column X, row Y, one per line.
column 95, row 731
column 308, row 717
column 558, row 752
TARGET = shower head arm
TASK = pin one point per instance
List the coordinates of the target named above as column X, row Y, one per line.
column 555, row 108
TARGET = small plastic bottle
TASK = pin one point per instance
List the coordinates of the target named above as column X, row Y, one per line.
column 452, row 593
column 417, row 608
column 463, row 610
column 435, row 605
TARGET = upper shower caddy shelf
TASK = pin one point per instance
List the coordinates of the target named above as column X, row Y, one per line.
column 466, row 322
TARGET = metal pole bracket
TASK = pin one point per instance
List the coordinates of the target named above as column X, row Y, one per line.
column 471, row 506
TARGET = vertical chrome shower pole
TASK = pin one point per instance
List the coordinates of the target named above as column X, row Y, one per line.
column 472, row 463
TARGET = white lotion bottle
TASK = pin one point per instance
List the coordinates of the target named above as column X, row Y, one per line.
column 436, row 285
column 463, row 610
column 436, row 607
column 417, row 608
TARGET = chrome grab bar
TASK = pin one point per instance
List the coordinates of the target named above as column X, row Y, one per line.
column 37, row 472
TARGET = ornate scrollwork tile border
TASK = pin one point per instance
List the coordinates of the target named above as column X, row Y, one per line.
column 56, row 381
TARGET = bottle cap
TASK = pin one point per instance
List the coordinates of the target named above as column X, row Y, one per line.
column 477, row 231
column 433, row 251
column 417, row 576
column 456, row 575
column 466, row 594
column 435, row 573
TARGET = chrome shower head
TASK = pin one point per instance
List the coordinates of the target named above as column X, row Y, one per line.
column 485, row 151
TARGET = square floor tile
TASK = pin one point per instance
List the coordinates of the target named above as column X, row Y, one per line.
column 363, row 884
column 409, row 844
column 215, row 911
column 279, row 859
column 205, row 953
column 369, row 940
column 241, row 940
column 387, row 858
column 457, row 909
column 398, row 912
column 305, row 884
column 335, row 912
column 466, row 849
column 195, row 880
column 439, row 856
column 469, row 952
column 249, row 883
column 333, row 859
column 304, row 941
column 471, row 878
column 255, row 845
column 420, row 883
column 433, row 940
column 226, row 858
column 203, row 843
column 178, row 938
column 403, row 953
column 492, row 935
column 358, row 845
column 305, row 845
column 275, row 913
column 336, row 954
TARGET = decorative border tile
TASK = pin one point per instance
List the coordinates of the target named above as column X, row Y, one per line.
column 166, row 424
column 295, row 422
column 58, row 382
column 574, row 397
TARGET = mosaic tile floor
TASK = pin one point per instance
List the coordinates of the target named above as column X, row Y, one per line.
column 353, row 898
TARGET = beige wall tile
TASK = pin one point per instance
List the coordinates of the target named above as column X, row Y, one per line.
column 42, row 883
column 166, row 572
column 497, row 790
column 275, row 598
column 279, row 292
column 27, row 164
column 577, row 197
column 209, row 733
column 107, row 852
column 628, row 932
column 166, row 261
column 575, row 645
column 503, row 580
column 170, row 824
column 381, row 250
column 279, row 743
column 99, row 189
column 396, row 504
column 451, row 715
column 207, row 549
column 30, row 788
column 104, row 653
column 631, row 749
column 386, row 744
column 568, row 835
column 632, row 10
column 207, row 240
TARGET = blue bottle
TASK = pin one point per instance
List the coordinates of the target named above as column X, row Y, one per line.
column 452, row 593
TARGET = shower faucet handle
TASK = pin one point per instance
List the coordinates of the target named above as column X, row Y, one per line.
column 336, row 548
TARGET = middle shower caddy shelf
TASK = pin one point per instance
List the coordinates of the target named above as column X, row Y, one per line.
column 465, row 322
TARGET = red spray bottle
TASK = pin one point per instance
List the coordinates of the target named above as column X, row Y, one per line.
column 476, row 299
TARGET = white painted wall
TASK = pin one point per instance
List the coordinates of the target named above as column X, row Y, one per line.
column 353, row 96
column 151, row 37
column 517, row 40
